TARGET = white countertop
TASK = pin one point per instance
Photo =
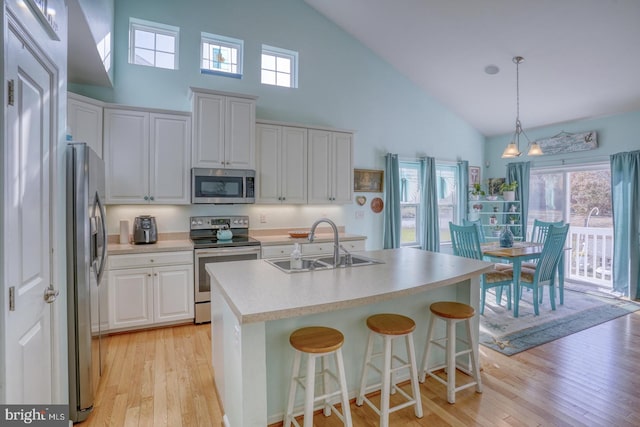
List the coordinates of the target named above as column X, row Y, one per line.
column 159, row 246
column 257, row 291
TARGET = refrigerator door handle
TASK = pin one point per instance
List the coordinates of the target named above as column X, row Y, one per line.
column 99, row 269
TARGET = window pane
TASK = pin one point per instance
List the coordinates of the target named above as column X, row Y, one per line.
column 144, row 39
column 143, row 57
column 283, row 64
column 165, row 43
column 283, row 79
column 268, row 77
column 409, row 215
column 165, row 60
column 269, row 62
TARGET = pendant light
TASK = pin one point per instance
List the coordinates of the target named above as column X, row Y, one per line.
column 513, row 148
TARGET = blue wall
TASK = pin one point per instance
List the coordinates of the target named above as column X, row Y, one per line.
column 342, row 84
column 615, row 134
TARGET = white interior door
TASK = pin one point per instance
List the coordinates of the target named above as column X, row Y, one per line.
column 26, row 226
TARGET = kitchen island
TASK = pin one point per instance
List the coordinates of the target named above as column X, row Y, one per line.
column 255, row 307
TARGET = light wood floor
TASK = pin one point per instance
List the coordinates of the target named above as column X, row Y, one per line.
column 164, row 378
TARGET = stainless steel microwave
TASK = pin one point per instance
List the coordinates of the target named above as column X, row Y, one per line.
column 222, row 186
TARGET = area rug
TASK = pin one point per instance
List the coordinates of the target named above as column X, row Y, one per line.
column 500, row 331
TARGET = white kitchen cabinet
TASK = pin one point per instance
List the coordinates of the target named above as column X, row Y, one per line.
column 84, row 119
column 330, row 167
column 282, row 164
column 147, row 157
column 223, row 130
column 150, row 289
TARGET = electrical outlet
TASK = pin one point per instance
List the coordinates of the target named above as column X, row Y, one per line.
column 359, row 214
column 263, row 218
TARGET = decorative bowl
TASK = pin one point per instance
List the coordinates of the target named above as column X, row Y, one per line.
column 492, row 198
column 299, row 234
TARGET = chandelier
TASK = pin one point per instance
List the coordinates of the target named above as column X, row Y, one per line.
column 513, row 148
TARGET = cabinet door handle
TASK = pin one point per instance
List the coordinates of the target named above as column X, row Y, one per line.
column 148, row 274
column 152, row 198
column 146, row 197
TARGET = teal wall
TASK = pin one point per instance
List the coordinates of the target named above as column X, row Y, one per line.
column 615, row 134
column 342, row 84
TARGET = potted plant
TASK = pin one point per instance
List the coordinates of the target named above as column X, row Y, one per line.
column 476, row 191
column 513, row 219
column 509, row 190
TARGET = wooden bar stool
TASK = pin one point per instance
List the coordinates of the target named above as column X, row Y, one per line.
column 318, row 342
column 452, row 313
column 390, row 327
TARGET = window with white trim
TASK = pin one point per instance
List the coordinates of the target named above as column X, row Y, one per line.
column 153, row 44
column 410, row 201
column 279, row 67
column 221, row 55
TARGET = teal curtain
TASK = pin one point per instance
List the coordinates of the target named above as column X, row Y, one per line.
column 430, row 230
column 520, row 172
column 462, row 175
column 392, row 218
column 625, row 198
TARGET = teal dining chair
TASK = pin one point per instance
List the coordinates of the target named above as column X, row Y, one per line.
column 544, row 273
column 466, row 243
column 538, row 235
column 477, row 223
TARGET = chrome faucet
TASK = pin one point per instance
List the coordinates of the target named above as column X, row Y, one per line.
column 336, row 242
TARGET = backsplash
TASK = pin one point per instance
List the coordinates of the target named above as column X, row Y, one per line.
column 175, row 218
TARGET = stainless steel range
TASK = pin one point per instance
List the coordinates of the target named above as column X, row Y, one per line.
column 208, row 248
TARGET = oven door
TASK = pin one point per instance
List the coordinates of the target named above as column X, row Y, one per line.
column 202, row 281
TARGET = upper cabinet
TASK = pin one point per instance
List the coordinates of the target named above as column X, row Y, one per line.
column 147, row 156
column 282, row 164
column 223, row 130
column 84, row 119
column 330, row 167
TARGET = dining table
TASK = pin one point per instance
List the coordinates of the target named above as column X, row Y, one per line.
column 516, row 254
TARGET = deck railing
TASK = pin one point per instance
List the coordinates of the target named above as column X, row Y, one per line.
column 591, row 255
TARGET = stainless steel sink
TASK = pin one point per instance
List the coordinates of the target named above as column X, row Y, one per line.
column 308, row 264
column 324, row 263
column 356, row 261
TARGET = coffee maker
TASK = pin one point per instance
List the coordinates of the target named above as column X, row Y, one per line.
column 145, row 229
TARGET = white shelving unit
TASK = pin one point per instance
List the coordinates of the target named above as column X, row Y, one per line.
column 495, row 215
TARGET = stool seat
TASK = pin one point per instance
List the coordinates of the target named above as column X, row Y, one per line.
column 316, row 339
column 390, row 327
column 322, row 344
column 452, row 310
column 391, row 324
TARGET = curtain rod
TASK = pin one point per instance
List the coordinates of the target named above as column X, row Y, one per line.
column 417, row 159
column 578, row 161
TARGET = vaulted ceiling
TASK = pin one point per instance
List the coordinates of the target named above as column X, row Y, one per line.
column 582, row 58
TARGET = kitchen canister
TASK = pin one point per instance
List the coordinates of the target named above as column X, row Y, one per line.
column 124, row 231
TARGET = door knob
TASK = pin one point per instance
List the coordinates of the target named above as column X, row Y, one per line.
column 50, row 294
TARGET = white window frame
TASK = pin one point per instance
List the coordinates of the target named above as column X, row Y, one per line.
column 277, row 52
column 224, row 41
column 155, row 28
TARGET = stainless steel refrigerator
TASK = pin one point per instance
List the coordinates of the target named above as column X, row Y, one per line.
column 86, row 258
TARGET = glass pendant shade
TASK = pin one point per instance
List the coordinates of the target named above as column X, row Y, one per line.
column 535, row 150
column 511, row 151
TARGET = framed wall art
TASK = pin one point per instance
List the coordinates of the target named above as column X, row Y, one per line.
column 474, row 175
column 368, row 180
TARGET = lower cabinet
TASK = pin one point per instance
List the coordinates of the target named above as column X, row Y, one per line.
column 149, row 289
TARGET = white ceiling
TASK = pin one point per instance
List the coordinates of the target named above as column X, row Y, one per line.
column 582, row 57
